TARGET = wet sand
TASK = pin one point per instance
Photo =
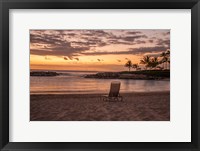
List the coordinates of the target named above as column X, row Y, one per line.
column 137, row 106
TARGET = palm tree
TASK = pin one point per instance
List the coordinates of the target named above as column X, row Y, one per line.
column 135, row 66
column 164, row 58
column 128, row 65
column 145, row 60
column 154, row 62
column 168, row 57
column 168, row 62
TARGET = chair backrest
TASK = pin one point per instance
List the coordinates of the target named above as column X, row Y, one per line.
column 114, row 89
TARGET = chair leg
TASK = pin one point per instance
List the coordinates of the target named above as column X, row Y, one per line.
column 104, row 98
column 121, row 98
column 113, row 99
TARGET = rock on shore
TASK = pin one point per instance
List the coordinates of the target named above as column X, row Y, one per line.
column 43, row 73
column 104, row 75
column 118, row 75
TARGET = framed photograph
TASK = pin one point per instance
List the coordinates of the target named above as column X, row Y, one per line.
column 96, row 75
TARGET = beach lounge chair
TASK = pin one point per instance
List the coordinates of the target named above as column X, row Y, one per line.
column 114, row 93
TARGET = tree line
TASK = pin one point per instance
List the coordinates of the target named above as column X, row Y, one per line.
column 151, row 62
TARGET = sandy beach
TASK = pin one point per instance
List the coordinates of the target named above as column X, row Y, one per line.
column 138, row 106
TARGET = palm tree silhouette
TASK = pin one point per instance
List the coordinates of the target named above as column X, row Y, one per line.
column 128, row 65
column 165, row 58
column 168, row 57
column 154, row 62
column 135, row 66
column 145, row 60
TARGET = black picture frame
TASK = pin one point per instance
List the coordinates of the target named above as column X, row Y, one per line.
column 5, row 5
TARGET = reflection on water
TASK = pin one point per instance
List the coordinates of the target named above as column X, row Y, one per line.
column 74, row 82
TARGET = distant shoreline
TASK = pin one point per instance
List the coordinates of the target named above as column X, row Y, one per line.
column 43, row 73
column 136, row 75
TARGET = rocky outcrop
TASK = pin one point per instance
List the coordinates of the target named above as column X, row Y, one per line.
column 43, row 73
column 118, row 75
column 104, row 75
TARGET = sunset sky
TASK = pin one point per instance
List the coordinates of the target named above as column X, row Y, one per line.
column 94, row 50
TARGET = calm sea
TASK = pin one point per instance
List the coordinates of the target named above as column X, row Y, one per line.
column 71, row 82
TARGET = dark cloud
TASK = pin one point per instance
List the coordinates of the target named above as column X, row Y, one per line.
column 134, row 32
column 85, row 43
column 163, row 42
column 70, row 57
column 143, row 50
column 71, row 34
column 65, row 58
column 117, row 41
column 100, row 60
column 54, row 45
column 58, row 51
column 86, row 34
column 76, row 59
column 151, row 40
column 47, row 39
column 90, row 43
column 133, row 38
column 133, row 51
column 71, row 43
column 127, row 40
column 90, row 37
column 97, row 36
column 166, row 33
column 59, row 32
column 100, row 33
column 140, row 42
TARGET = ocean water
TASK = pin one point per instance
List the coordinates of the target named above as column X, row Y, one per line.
column 70, row 82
